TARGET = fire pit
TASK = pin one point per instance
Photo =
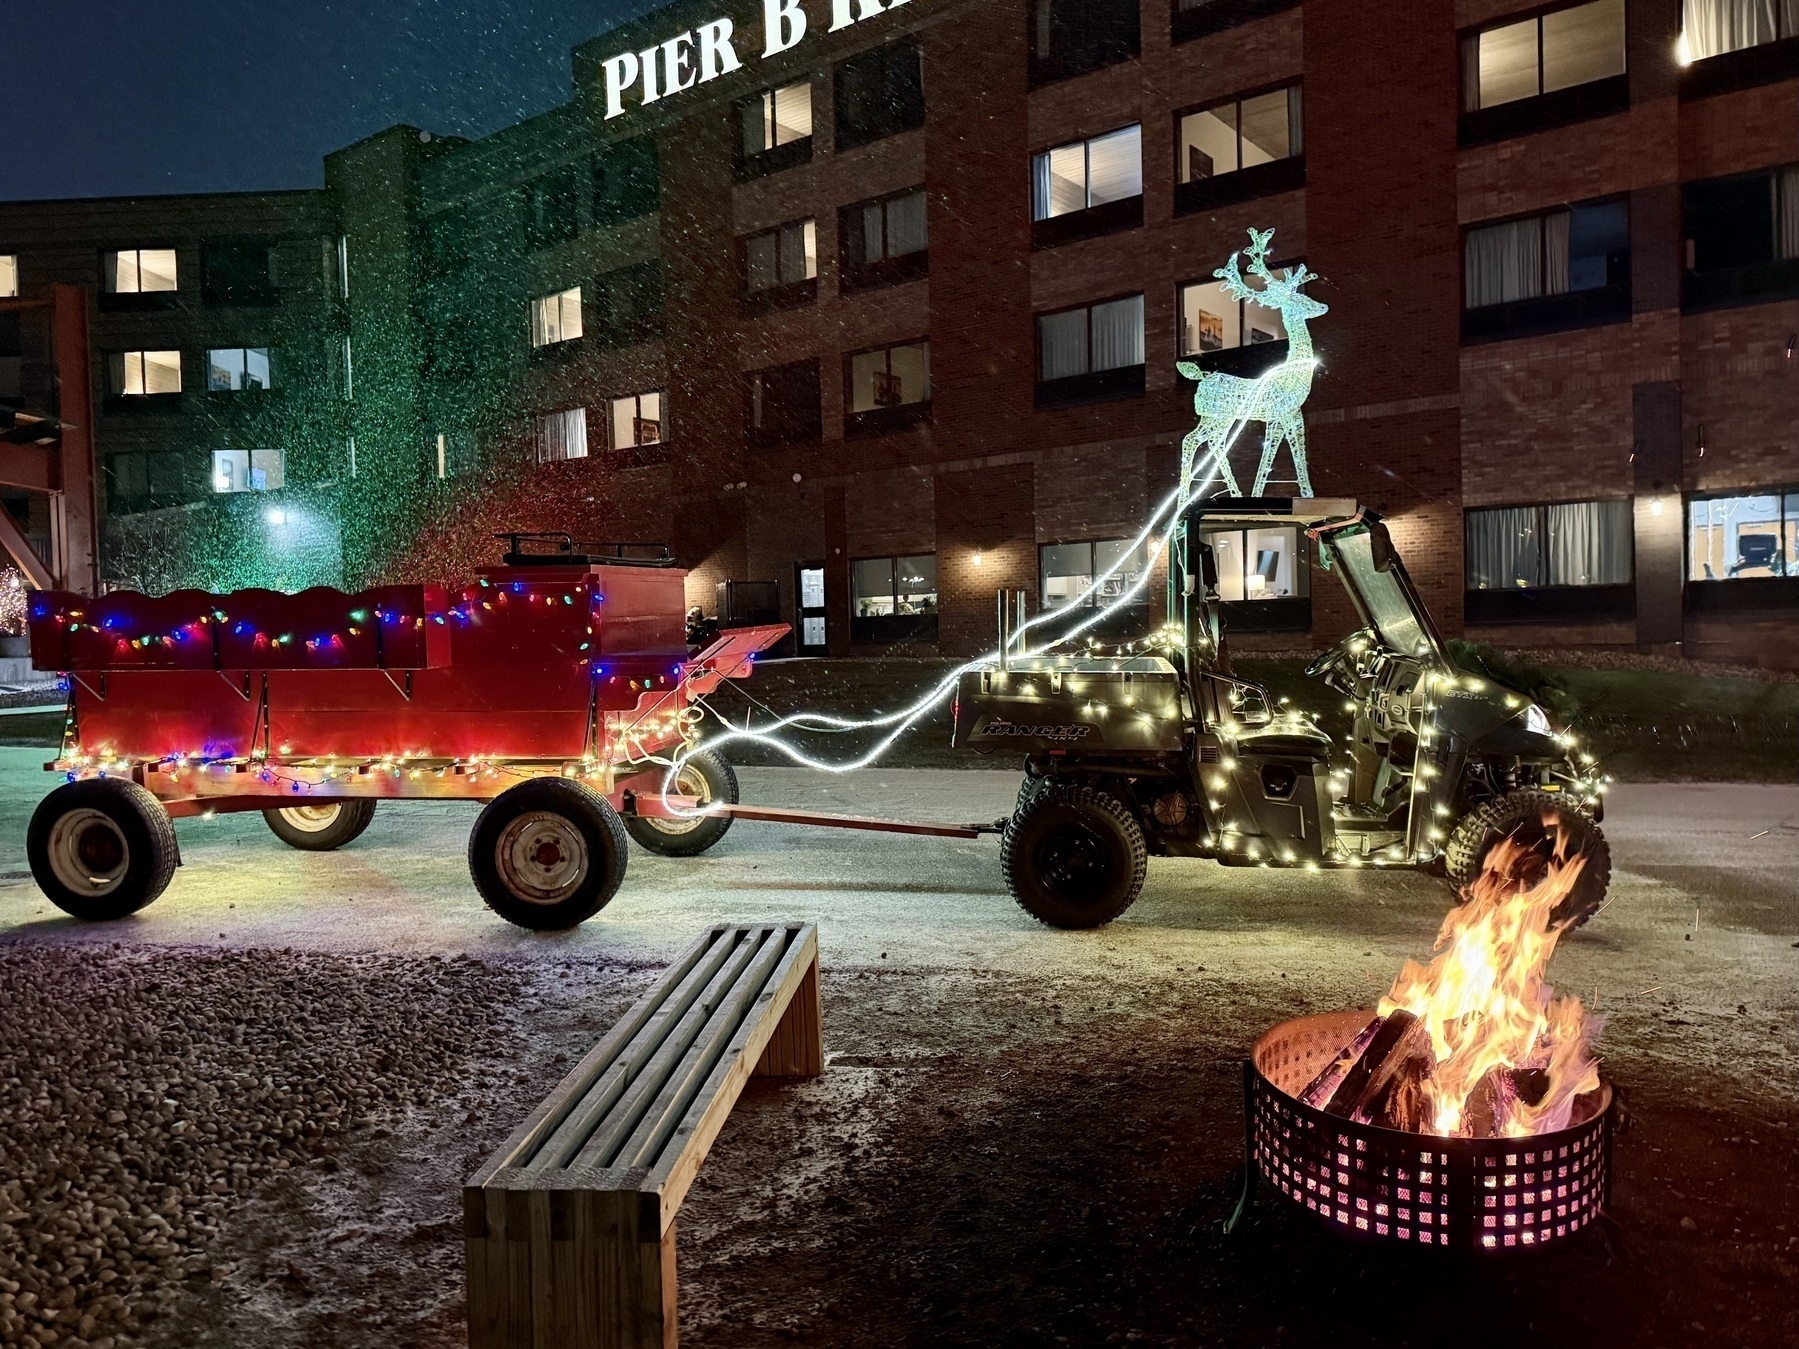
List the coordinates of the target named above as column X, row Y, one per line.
column 1389, row 1185
column 1468, row 1111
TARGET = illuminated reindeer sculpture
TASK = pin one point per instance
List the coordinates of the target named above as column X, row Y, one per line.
column 1276, row 398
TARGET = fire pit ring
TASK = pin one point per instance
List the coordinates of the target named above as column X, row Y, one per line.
column 1363, row 1180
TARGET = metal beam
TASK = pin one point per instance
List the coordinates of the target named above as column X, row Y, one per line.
column 75, row 509
column 29, row 467
column 15, row 542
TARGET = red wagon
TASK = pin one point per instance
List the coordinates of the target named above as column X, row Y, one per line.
column 553, row 688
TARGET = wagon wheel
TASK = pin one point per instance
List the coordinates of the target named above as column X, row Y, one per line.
column 709, row 780
column 102, row 848
column 548, row 854
column 321, row 826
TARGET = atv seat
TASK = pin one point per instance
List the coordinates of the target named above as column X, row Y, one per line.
column 1292, row 741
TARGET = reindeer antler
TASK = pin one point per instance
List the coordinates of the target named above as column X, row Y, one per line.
column 1257, row 252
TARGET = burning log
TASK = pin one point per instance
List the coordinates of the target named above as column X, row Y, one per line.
column 1334, row 1072
column 1395, row 1049
column 1497, row 1096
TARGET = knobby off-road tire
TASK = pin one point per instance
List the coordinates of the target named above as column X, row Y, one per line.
column 101, row 849
column 321, row 826
column 1531, row 816
column 1073, row 857
column 548, row 854
column 708, row 778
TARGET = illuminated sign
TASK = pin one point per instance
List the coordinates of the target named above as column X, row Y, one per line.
column 702, row 54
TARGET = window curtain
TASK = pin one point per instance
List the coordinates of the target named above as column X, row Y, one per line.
column 1503, row 548
column 1505, row 262
column 1555, row 252
column 907, row 225
column 1786, row 199
column 1115, row 166
column 1588, row 543
column 1118, row 334
column 1062, row 345
column 1713, row 27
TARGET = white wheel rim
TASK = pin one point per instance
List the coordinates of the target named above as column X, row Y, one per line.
column 688, row 782
column 312, row 819
column 542, row 858
column 88, row 852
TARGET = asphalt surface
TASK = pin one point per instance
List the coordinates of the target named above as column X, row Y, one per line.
column 981, row 1104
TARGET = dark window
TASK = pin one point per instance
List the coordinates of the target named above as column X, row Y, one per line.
column 628, row 304
column 1742, row 238
column 1093, row 352
column 141, row 480
column 893, row 599
column 1087, row 187
column 550, row 209
column 1072, row 37
column 236, row 272
column 627, row 181
column 879, row 93
column 1563, row 268
column 780, row 267
column 885, row 240
column 1246, row 147
column 1196, row 18
column 774, row 130
column 782, row 404
column 452, row 454
column 888, row 389
column 1548, row 70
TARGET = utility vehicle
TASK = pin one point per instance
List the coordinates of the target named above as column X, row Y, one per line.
column 1162, row 749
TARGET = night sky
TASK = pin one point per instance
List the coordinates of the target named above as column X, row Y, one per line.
column 118, row 97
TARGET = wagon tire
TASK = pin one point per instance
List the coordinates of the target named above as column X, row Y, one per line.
column 101, row 849
column 706, row 775
column 321, row 826
column 548, row 854
column 1532, row 817
column 1073, row 857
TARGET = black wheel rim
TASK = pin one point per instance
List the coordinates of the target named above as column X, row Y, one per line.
column 1075, row 863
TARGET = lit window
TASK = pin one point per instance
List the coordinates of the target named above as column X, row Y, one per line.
column 1212, row 320
column 1240, row 135
column 639, row 419
column 140, row 271
column 1574, row 543
column 1087, row 173
column 1068, row 571
column 1085, row 341
column 237, row 369
column 1577, row 248
column 787, row 256
column 776, row 117
column 561, row 435
column 248, row 470
column 893, row 599
column 137, row 374
column 1260, row 564
column 890, row 378
column 556, row 318
column 1713, row 27
column 1558, row 50
column 1742, row 537
column 9, row 275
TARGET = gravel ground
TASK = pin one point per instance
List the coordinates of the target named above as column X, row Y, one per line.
column 1024, row 1137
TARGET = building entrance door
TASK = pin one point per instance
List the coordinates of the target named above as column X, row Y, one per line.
column 809, row 592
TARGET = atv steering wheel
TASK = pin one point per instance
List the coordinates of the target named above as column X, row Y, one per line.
column 1336, row 656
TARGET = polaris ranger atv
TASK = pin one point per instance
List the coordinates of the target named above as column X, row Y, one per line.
column 1170, row 753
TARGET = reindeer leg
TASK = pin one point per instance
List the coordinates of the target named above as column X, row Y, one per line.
column 1296, row 446
column 1221, row 459
column 1271, row 442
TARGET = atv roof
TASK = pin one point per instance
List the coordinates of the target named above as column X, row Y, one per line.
column 1306, row 511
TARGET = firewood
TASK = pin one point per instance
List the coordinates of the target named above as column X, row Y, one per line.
column 1496, row 1098
column 1401, row 1036
column 1402, row 1104
column 1331, row 1078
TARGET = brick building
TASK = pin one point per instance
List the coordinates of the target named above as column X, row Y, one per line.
column 883, row 310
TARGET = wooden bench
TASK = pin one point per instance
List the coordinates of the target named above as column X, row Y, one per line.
column 570, row 1227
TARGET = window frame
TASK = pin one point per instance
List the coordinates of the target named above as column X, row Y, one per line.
column 848, row 137
column 781, row 155
column 9, row 276
column 1782, row 494
column 879, row 420
column 637, row 448
column 1546, row 311
column 1247, row 359
column 251, row 469
column 1603, row 97
column 889, row 269
column 773, row 437
column 1279, row 613
column 1078, row 55
column 539, row 324
column 1758, row 281
column 783, row 294
column 569, row 417
column 1285, row 174
column 119, row 374
column 1089, row 221
column 895, row 628
column 1092, row 546
column 110, row 298
column 268, row 354
column 1551, row 602
column 1114, row 382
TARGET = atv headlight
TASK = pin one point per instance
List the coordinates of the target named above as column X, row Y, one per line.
column 1536, row 720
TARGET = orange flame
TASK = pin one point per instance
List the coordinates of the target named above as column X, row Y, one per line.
column 1484, row 1003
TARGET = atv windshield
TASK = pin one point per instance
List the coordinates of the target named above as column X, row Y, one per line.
column 1385, row 595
